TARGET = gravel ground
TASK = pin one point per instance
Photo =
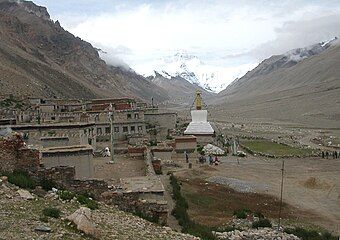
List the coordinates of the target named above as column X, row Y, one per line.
column 239, row 185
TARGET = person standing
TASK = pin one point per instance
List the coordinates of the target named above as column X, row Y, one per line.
column 210, row 160
column 186, row 156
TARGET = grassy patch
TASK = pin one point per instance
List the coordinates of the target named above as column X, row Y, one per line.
column 66, row 195
column 21, row 179
column 181, row 214
column 305, row 234
column 51, row 212
column 273, row 148
column 262, row 223
column 85, row 200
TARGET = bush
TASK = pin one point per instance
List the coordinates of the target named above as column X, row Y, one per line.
column 66, row 195
column 259, row 215
column 84, row 200
column 47, row 184
column 154, row 218
column 21, row 179
column 241, row 213
column 51, row 212
column 305, row 234
column 262, row 223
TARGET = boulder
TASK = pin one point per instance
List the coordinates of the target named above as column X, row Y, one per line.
column 82, row 219
column 24, row 194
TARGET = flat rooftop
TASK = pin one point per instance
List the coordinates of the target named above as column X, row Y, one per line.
column 145, row 184
column 67, row 149
column 52, row 125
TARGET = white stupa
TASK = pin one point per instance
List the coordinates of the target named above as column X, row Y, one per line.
column 199, row 125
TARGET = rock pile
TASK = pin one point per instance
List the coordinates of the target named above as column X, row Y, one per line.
column 210, row 149
column 254, row 234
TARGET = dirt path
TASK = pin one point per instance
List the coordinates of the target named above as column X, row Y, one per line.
column 172, row 221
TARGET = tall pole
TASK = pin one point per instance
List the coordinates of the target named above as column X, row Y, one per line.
column 280, row 209
column 112, row 133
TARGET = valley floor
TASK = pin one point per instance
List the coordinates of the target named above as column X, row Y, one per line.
column 311, row 189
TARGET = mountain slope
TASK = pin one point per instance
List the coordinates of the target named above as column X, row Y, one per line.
column 179, row 89
column 304, row 90
column 39, row 58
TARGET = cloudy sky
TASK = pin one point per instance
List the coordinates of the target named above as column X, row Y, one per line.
column 232, row 36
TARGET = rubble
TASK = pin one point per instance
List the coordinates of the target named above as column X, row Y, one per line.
column 254, row 234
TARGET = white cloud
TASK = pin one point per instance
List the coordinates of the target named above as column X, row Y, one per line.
column 228, row 35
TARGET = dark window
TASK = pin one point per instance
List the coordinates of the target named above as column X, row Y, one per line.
column 107, row 130
column 52, row 118
column 133, row 128
column 125, row 129
column 116, row 129
column 129, row 116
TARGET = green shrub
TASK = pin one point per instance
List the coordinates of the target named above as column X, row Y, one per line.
column 21, row 179
column 91, row 204
column 85, row 200
column 154, row 218
column 241, row 213
column 305, row 234
column 200, row 150
column 51, row 212
column 66, row 195
column 259, row 215
column 262, row 223
column 47, row 184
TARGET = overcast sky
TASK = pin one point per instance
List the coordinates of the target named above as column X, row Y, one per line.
column 228, row 34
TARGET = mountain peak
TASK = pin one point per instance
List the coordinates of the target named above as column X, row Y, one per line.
column 28, row 6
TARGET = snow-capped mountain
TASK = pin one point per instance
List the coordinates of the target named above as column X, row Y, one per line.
column 299, row 54
column 191, row 68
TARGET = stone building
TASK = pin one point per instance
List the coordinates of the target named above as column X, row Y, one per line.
column 58, row 134
column 163, row 121
column 78, row 156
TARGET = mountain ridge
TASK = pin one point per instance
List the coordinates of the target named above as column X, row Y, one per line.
column 39, row 58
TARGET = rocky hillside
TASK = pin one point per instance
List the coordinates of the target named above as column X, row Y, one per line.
column 24, row 216
column 301, row 86
column 179, row 89
column 39, row 58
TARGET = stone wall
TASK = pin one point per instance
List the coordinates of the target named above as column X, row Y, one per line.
column 15, row 156
column 64, row 177
column 135, row 203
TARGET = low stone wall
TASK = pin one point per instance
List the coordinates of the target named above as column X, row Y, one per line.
column 132, row 202
column 148, row 162
column 136, row 151
column 275, row 156
column 64, row 177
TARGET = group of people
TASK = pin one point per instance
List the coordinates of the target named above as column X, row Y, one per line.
column 327, row 154
column 213, row 160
